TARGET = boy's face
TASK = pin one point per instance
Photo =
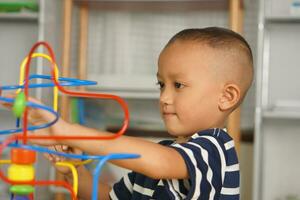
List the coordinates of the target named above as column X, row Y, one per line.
column 189, row 88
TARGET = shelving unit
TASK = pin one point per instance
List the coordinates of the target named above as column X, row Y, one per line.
column 125, row 83
column 278, row 102
column 126, row 76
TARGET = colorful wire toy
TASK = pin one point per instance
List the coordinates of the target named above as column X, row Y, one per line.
column 21, row 173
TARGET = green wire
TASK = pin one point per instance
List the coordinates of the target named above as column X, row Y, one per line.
column 74, row 110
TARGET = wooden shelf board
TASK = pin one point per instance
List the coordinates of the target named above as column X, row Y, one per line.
column 142, row 5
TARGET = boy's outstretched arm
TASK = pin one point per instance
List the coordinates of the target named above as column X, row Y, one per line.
column 156, row 161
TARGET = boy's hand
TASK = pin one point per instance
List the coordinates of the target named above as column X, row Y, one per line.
column 37, row 117
column 54, row 158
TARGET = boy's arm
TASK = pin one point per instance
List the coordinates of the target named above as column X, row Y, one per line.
column 156, row 161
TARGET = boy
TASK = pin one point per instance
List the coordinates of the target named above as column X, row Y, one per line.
column 203, row 75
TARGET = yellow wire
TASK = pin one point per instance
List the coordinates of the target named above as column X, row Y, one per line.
column 81, row 162
column 5, row 162
column 56, row 75
column 74, row 172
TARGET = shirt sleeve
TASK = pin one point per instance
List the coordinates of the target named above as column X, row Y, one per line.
column 124, row 188
column 204, row 158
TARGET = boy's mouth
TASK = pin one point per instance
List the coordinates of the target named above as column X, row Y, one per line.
column 168, row 114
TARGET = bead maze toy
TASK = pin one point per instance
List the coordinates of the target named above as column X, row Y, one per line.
column 21, row 170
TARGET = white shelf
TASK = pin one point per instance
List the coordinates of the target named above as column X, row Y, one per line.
column 155, row 4
column 284, row 18
column 126, row 93
column 281, row 114
column 127, row 86
column 287, row 109
column 283, row 109
column 23, row 16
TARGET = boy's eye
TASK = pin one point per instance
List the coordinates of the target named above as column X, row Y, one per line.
column 160, row 84
column 178, row 85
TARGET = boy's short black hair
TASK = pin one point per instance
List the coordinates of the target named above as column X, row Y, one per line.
column 221, row 39
column 215, row 37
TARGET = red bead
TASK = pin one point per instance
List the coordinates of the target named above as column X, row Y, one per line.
column 22, row 156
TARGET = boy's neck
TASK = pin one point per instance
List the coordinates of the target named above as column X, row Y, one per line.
column 182, row 139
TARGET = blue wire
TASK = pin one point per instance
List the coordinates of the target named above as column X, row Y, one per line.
column 73, row 156
column 96, row 172
column 18, row 121
column 96, row 175
column 69, row 82
column 30, row 128
column 66, row 82
column 20, row 198
column 81, row 111
column 72, row 81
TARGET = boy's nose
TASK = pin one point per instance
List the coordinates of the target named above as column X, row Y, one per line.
column 165, row 97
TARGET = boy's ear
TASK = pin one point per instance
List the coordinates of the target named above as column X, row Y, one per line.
column 230, row 97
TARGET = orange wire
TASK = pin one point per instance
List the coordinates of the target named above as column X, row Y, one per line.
column 73, row 94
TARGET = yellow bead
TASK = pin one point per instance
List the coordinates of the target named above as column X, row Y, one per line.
column 20, row 172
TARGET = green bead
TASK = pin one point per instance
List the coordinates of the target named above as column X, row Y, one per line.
column 19, row 105
column 21, row 189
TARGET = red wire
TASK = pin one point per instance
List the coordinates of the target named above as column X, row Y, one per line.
column 71, row 93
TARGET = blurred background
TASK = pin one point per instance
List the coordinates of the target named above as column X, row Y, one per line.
column 117, row 44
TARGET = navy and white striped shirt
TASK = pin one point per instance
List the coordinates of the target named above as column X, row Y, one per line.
column 212, row 165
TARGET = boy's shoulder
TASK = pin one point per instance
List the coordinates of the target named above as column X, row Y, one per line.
column 216, row 136
column 215, row 139
column 217, row 133
column 209, row 153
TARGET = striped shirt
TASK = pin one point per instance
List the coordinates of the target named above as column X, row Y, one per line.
column 212, row 165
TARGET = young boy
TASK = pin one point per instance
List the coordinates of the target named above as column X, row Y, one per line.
column 203, row 75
